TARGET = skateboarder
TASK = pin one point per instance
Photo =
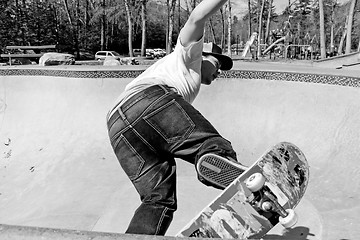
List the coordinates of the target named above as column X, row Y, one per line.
column 153, row 122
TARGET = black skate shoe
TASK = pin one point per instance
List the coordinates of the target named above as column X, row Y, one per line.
column 217, row 170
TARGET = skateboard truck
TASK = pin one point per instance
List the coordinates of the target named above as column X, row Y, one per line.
column 255, row 183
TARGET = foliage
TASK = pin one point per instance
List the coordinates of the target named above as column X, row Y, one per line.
column 300, row 21
column 76, row 24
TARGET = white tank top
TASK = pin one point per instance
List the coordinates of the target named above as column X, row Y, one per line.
column 180, row 70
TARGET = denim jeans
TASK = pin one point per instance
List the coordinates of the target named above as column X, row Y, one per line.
column 147, row 133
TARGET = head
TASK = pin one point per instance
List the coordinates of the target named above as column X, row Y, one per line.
column 213, row 63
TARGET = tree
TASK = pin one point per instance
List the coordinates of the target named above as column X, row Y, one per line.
column 170, row 26
column 269, row 16
column 250, row 17
column 143, row 20
column 322, row 30
column 103, row 26
column 261, row 11
column 332, row 44
column 90, row 25
column 130, row 27
column 229, row 28
column 223, row 34
column 349, row 26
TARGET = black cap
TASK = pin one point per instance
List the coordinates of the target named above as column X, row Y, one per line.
column 215, row 50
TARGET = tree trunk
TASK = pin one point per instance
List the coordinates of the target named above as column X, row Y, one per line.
column 171, row 14
column 349, row 26
column 342, row 40
column 229, row 29
column 298, row 33
column 56, row 22
column 332, row 45
column 267, row 31
column 103, row 27
column 86, row 23
column 24, row 20
column 73, row 27
column 322, row 30
column 67, row 11
column 143, row 33
column 250, row 16
column 261, row 11
column 130, row 31
column 223, row 34
column 212, row 31
column 179, row 17
column 77, row 30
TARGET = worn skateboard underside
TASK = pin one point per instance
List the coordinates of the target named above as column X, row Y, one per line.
column 231, row 215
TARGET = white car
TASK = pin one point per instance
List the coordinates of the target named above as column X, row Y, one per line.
column 150, row 53
column 101, row 55
column 55, row 58
column 159, row 53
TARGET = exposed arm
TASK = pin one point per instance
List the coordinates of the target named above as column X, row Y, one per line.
column 194, row 27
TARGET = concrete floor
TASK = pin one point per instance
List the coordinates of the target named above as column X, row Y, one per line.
column 57, row 168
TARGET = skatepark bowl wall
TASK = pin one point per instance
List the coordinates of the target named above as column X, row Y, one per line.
column 57, row 169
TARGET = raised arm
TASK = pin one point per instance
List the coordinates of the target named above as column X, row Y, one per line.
column 193, row 29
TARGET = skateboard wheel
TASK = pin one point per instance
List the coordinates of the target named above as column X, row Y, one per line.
column 266, row 206
column 290, row 220
column 255, row 182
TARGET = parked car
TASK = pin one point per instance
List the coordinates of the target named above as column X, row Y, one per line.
column 159, row 53
column 101, row 55
column 55, row 58
column 150, row 53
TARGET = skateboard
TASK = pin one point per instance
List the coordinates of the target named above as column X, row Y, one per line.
column 254, row 202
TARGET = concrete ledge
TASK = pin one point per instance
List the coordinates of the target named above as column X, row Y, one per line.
column 11, row 232
column 338, row 61
column 256, row 71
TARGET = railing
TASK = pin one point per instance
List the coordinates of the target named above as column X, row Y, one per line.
column 25, row 55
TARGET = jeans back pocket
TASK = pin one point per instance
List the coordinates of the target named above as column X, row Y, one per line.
column 171, row 122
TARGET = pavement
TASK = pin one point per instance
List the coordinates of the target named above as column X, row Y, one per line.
column 57, row 169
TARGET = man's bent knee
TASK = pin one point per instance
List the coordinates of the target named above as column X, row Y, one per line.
column 217, row 145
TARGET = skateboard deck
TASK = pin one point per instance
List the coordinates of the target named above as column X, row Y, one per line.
column 245, row 210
